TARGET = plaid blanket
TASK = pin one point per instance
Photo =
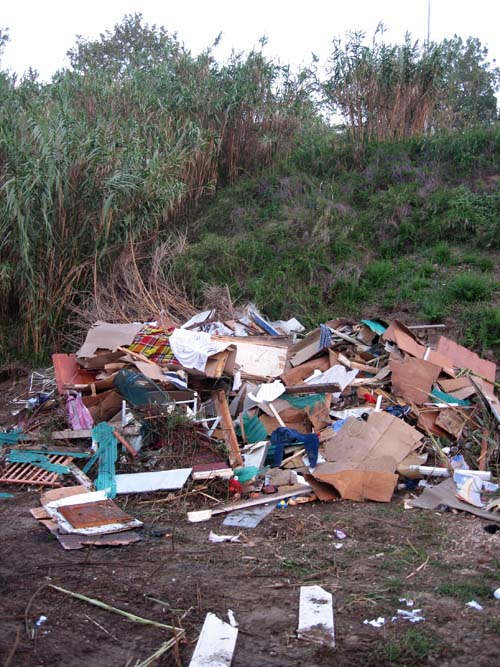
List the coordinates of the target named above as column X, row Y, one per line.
column 153, row 343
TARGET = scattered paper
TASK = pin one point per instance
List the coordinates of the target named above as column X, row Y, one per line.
column 475, row 605
column 409, row 603
column 213, row 537
column 376, row 622
column 413, row 616
column 339, row 534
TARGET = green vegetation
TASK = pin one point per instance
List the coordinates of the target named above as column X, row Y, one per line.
column 141, row 145
column 473, row 589
column 412, row 648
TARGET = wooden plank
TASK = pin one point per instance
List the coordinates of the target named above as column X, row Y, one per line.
column 226, row 424
column 295, row 490
column 70, row 434
column 216, row 644
column 313, row 388
column 484, row 450
column 205, row 515
column 81, row 477
column 316, row 616
column 125, row 443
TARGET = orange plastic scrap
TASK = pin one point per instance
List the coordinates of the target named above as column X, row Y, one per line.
column 69, row 373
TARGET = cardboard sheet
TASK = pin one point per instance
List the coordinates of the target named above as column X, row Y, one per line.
column 362, row 457
column 427, row 422
column 445, row 494
column 412, row 379
column 107, row 336
column 103, row 406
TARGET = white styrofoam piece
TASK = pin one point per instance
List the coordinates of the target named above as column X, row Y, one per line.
column 90, row 497
column 316, row 616
column 216, row 643
column 162, row 480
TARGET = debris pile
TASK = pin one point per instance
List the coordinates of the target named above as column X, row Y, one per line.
column 265, row 415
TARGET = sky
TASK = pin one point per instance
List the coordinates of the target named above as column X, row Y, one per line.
column 41, row 32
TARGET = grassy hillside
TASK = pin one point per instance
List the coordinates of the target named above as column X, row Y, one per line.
column 410, row 227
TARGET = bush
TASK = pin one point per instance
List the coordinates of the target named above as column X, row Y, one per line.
column 482, row 327
column 470, row 287
column 379, row 273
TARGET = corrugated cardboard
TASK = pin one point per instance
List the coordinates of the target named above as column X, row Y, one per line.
column 362, row 457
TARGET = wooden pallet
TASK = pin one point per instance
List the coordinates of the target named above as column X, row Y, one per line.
column 26, row 473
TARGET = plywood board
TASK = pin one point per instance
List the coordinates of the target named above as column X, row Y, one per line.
column 263, row 361
column 451, row 421
column 412, row 379
column 406, row 341
column 464, row 358
column 72, row 542
column 68, row 372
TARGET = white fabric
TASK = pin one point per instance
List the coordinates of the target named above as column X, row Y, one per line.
column 193, row 348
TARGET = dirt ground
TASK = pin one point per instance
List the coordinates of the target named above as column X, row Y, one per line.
column 175, row 576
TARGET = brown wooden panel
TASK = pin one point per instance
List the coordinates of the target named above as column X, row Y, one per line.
column 91, row 515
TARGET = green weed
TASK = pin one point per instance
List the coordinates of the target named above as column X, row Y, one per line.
column 434, row 307
column 411, row 649
column 379, row 273
column 470, row 287
column 441, row 253
column 472, row 589
column 482, row 327
column 481, row 262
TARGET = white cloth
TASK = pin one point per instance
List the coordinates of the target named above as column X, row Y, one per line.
column 193, row 348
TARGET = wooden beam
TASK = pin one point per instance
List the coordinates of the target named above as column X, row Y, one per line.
column 226, row 425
